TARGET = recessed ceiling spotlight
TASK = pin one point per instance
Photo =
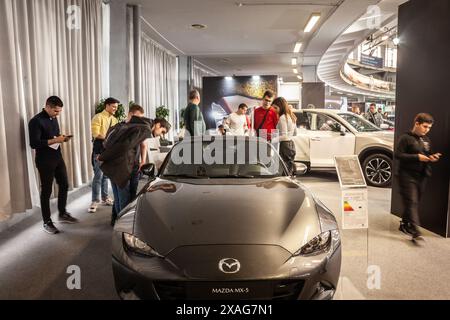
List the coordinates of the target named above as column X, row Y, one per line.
column 225, row 60
column 295, row 70
column 298, row 46
column 239, row 4
column 294, row 61
column 384, row 38
column 256, row 77
column 300, row 77
column 228, row 78
column 199, row 26
column 396, row 41
column 315, row 17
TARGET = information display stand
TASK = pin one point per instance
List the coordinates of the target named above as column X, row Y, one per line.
column 354, row 202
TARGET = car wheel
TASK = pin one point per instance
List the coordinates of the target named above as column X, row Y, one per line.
column 377, row 170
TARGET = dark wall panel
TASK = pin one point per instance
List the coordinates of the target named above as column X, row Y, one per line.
column 422, row 86
column 313, row 93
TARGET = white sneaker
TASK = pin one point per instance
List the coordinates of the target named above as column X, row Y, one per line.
column 108, row 202
column 93, row 207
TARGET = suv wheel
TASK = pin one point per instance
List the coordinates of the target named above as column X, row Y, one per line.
column 377, row 170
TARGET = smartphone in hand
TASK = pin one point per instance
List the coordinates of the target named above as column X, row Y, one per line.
column 68, row 137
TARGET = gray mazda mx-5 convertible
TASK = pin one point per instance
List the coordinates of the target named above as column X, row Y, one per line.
column 223, row 220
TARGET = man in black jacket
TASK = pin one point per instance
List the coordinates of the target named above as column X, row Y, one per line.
column 415, row 155
column 46, row 139
column 121, row 152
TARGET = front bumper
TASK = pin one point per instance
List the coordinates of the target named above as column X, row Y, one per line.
column 156, row 278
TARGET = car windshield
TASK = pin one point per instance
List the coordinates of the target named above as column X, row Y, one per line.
column 359, row 123
column 230, row 157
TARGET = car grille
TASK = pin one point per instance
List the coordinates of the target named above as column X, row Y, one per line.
column 280, row 289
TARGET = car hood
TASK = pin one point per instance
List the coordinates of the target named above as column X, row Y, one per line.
column 279, row 212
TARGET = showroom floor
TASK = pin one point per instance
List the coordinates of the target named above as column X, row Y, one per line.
column 34, row 264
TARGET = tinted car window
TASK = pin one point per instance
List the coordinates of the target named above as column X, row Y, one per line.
column 303, row 120
column 359, row 123
column 322, row 122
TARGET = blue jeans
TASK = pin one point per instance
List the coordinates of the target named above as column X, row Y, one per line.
column 99, row 182
column 121, row 197
column 134, row 182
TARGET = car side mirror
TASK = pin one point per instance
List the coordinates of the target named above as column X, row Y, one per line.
column 301, row 169
column 148, row 169
column 343, row 131
column 384, row 126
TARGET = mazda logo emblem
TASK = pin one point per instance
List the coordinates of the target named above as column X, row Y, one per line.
column 229, row 265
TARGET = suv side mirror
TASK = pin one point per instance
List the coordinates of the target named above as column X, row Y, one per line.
column 343, row 131
column 148, row 169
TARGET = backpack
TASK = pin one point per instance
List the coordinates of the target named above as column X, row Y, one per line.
column 114, row 133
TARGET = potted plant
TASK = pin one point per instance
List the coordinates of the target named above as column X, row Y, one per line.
column 162, row 112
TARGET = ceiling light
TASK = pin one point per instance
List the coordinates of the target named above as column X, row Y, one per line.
column 294, row 61
column 396, row 41
column 315, row 17
column 228, row 78
column 199, row 26
column 295, row 70
column 384, row 38
column 339, row 92
column 300, row 77
column 297, row 47
column 256, row 77
column 280, row 79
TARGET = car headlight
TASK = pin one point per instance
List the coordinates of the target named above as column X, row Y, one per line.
column 326, row 241
column 138, row 246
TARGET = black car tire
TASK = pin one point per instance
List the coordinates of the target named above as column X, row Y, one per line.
column 377, row 170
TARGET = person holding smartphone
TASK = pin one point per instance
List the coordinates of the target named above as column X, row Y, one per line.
column 46, row 139
column 415, row 155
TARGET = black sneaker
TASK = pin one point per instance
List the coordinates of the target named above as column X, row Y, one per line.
column 404, row 228
column 414, row 231
column 67, row 218
column 49, row 227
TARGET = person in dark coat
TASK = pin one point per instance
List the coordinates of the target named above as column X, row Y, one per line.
column 121, row 151
column 415, row 154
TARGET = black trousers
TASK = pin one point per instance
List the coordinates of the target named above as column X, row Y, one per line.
column 411, row 191
column 50, row 169
column 287, row 153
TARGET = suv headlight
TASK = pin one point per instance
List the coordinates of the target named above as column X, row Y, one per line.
column 326, row 241
column 138, row 246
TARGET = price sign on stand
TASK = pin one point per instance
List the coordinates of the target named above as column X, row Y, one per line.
column 354, row 202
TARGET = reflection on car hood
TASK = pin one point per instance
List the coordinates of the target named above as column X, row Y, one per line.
column 276, row 211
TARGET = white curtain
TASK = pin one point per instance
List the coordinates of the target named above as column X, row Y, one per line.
column 198, row 72
column 49, row 47
column 159, row 78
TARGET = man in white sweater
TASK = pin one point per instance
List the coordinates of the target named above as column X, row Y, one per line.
column 236, row 123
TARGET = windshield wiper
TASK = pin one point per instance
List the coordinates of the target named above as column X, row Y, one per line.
column 246, row 176
column 186, row 176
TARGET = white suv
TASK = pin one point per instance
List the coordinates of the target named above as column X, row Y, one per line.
column 323, row 134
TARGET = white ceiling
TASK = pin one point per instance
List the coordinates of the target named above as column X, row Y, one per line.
column 255, row 38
